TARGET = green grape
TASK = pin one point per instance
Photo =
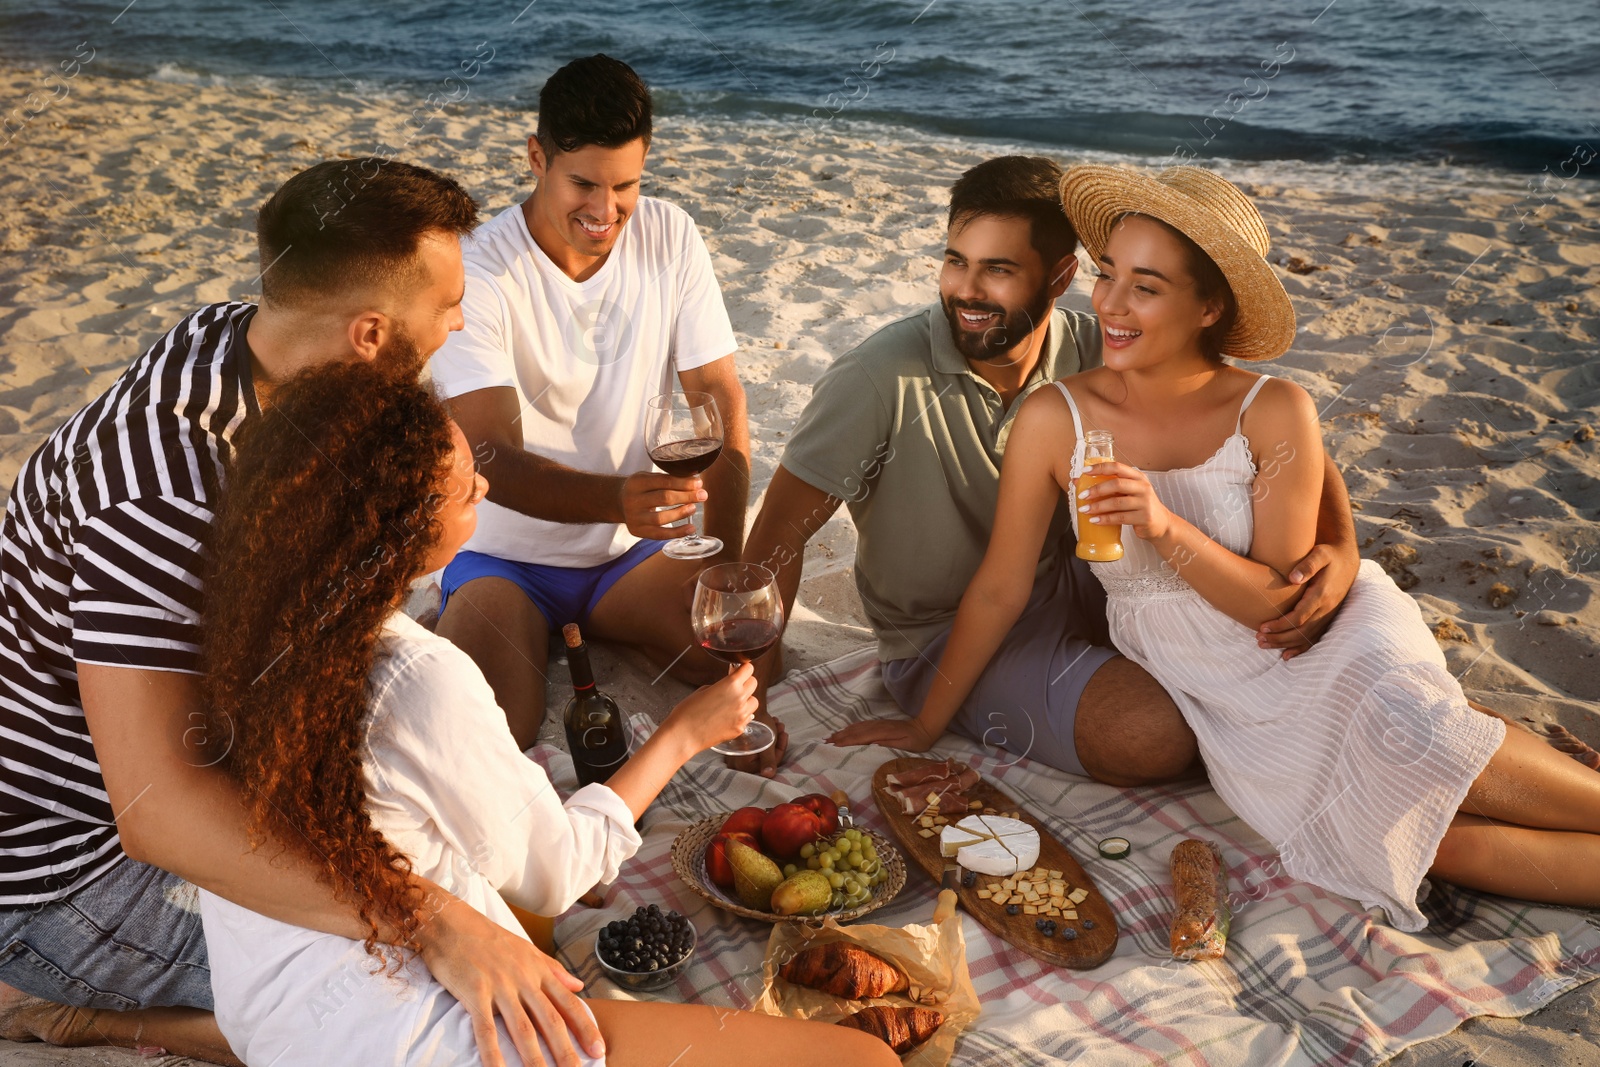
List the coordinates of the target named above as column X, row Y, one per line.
column 807, row 851
column 790, row 870
column 837, row 901
column 836, row 880
column 813, row 863
column 869, row 865
column 825, row 861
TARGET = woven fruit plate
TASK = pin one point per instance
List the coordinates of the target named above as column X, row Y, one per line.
column 689, row 860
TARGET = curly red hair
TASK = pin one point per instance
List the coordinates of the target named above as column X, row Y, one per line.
column 327, row 518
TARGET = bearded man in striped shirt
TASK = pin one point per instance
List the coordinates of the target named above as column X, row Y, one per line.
column 114, row 804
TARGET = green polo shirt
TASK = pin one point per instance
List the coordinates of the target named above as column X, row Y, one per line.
column 904, row 432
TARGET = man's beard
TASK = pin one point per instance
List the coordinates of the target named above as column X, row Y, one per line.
column 401, row 358
column 999, row 340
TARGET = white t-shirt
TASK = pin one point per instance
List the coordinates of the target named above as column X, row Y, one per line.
column 447, row 786
column 585, row 356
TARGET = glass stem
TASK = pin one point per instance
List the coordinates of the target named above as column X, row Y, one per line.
column 693, row 538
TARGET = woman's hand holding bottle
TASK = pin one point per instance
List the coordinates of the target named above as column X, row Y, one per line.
column 1125, row 498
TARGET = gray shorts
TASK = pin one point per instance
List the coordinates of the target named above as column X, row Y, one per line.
column 129, row 939
column 1026, row 700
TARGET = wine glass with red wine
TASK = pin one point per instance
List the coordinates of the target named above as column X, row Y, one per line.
column 684, row 434
column 738, row 616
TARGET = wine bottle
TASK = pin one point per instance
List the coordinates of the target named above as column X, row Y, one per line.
column 595, row 732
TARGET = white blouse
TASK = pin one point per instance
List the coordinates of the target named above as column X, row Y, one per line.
column 447, row 786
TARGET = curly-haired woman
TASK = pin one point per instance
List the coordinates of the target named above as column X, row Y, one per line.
column 382, row 748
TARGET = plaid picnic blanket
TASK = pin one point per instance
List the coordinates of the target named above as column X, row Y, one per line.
column 1309, row 978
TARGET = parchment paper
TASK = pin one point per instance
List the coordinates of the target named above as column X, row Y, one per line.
column 933, row 956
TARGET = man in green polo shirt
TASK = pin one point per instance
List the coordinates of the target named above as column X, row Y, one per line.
column 908, row 430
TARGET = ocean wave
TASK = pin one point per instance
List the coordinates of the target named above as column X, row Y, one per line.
column 174, row 74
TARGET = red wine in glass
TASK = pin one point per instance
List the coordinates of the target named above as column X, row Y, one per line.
column 737, row 616
column 683, row 458
column 739, row 640
column 683, row 433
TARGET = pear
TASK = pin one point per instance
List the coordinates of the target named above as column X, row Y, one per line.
column 754, row 876
column 807, row 893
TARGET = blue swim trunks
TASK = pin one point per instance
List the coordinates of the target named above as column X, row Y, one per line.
column 562, row 594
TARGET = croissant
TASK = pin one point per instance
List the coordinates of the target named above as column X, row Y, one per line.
column 902, row 1029
column 843, row 970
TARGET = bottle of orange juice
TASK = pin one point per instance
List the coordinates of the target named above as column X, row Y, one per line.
column 1098, row 542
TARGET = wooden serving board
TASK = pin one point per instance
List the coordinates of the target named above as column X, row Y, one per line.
column 1091, row 947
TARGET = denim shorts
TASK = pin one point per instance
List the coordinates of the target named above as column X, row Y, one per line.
column 1026, row 699
column 129, row 939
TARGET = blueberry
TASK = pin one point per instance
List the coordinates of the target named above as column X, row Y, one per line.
column 1013, row 909
column 1088, row 924
column 969, row 879
column 1048, row 931
column 1069, row 934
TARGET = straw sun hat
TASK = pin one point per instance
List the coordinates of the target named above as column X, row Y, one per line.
column 1215, row 215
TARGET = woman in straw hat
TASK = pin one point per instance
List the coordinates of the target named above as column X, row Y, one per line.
column 1360, row 761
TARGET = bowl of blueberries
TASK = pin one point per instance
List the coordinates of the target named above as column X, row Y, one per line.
column 647, row 950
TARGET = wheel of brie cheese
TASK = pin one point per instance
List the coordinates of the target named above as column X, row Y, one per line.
column 991, row 844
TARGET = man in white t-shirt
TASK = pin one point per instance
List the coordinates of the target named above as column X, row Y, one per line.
column 582, row 303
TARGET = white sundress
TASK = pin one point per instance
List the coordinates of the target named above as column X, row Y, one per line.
column 1352, row 758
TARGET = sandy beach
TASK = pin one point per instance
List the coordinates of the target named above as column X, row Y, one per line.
column 1448, row 330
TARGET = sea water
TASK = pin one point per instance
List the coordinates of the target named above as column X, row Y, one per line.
column 1504, row 82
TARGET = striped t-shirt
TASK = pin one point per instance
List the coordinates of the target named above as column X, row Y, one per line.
column 100, row 560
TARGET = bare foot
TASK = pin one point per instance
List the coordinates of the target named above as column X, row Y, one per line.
column 182, row 1031
column 1563, row 740
column 24, row 1017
